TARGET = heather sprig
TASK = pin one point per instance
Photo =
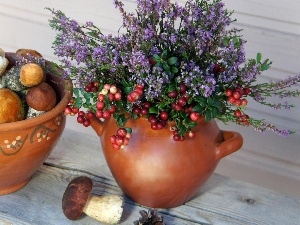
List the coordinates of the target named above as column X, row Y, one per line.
column 167, row 59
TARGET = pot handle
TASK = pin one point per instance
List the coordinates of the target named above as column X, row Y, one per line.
column 232, row 141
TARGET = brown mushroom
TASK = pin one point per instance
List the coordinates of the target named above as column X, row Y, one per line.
column 78, row 199
column 31, row 74
column 23, row 52
column 11, row 107
column 41, row 97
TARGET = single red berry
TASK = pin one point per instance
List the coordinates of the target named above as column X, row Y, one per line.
column 130, row 99
column 164, row 115
column 89, row 115
column 112, row 139
column 86, row 122
column 173, row 94
column 159, row 125
column 110, row 97
column 182, row 101
column 99, row 113
column 121, row 132
column 94, row 89
column 80, row 119
column 153, row 120
column 194, row 116
column 101, row 97
column 176, row 137
column 153, row 127
column 141, row 86
column 178, row 107
column 237, row 94
column 67, row 110
column 81, row 113
column 192, row 134
column 107, row 86
column 136, row 110
column 126, row 141
column 119, row 140
column 244, row 102
column 238, row 113
column 75, row 109
column 231, row 99
column 182, row 88
column 139, row 90
column 135, row 95
column 147, row 105
column 152, row 62
column 144, row 111
column 229, row 92
column 247, row 91
column 112, row 109
column 118, row 96
column 237, row 102
column 182, row 138
column 106, row 114
column 100, row 105
column 116, row 146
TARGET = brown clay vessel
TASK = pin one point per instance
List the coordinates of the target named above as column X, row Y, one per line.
column 157, row 172
column 25, row 145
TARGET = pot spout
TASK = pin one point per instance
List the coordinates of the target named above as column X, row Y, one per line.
column 97, row 125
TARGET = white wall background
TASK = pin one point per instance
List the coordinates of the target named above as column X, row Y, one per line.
column 270, row 26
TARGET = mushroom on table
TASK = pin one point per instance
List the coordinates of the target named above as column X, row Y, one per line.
column 78, row 199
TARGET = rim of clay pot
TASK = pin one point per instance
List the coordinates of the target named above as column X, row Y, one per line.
column 59, row 108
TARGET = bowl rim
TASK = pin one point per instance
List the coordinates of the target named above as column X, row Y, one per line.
column 26, row 123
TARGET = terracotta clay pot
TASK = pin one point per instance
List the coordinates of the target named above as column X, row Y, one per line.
column 155, row 171
column 25, row 145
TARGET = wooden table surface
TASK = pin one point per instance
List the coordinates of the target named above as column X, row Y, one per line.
column 220, row 201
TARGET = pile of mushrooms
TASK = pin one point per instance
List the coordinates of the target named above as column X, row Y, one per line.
column 23, row 91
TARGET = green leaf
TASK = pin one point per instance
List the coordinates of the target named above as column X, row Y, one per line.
column 156, row 58
column 226, row 41
column 153, row 110
column 174, row 70
column 198, row 108
column 172, row 61
column 201, row 100
column 128, row 90
column 164, row 54
column 166, row 67
column 258, row 57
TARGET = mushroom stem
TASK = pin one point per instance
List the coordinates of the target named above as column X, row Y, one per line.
column 107, row 209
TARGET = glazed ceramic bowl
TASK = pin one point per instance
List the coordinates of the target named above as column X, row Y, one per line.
column 25, row 145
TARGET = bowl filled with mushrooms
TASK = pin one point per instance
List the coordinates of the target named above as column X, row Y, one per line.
column 33, row 96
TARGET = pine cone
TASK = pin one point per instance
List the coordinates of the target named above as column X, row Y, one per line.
column 150, row 218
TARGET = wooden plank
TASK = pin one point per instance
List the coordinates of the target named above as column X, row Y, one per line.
column 93, row 160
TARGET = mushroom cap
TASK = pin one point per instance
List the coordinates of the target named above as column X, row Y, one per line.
column 24, row 51
column 31, row 74
column 76, row 196
column 11, row 107
column 41, row 97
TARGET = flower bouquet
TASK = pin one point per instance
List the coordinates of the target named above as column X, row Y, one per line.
column 168, row 63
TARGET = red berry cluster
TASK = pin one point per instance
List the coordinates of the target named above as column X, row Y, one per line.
column 71, row 109
column 121, row 139
column 104, row 109
column 242, row 118
column 136, row 93
column 235, row 97
column 92, row 87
